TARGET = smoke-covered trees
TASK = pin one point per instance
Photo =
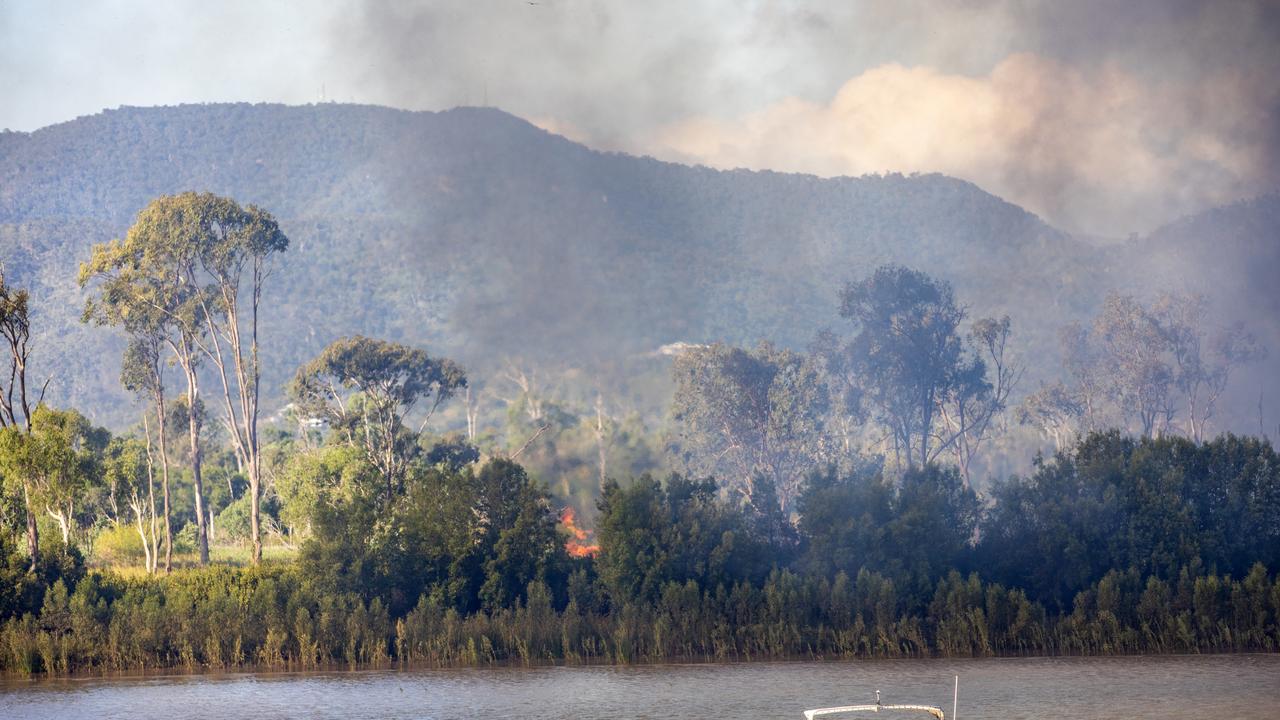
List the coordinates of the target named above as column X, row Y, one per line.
column 912, row 531
column 1202, row 358
column 1156, row 370
column 654, row 534
column 364, row 388
column 469, row 538
column 746, row 415
column 1155, row 505
column 911, row 369
column 906, row 354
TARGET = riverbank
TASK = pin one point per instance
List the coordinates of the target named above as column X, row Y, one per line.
column 270, row 618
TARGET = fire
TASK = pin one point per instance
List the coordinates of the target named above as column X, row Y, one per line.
column 577, row 546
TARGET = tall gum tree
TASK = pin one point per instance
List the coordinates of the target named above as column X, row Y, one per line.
column 907, row 356
column 238, row 246
column 744, row 416
column 142, row 288
column 200, row 262
column 128, row 300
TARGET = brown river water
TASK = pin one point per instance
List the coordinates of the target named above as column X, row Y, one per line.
column 1222, row 686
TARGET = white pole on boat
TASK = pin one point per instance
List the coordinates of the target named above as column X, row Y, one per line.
column 955, row 698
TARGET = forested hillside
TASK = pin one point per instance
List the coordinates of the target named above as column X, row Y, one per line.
column 477, row 235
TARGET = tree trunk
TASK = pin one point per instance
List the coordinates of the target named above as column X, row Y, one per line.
column 33, row 530
column 164, row 482
column 142, row 533
column 64, row 525
column 602, row 449
column 255, row 491
column 193, row 432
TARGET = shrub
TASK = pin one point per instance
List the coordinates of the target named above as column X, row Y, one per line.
column 118, row 544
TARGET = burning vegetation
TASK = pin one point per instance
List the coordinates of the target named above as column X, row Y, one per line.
column 578, row 545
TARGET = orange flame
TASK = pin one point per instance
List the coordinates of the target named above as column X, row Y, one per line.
column 577, row 545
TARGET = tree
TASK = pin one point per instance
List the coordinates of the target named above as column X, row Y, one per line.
column 129, row 300
column 57, row 460
column 199, row 263
column 147, row 284
column 365, row 387
column 237, row 247
column 516, row 533
column 15, row 405
column 1146, row 366
column 974, row 403
column 913, row 531
column 746, row 414
column 654, row 534
column 1202, row 360
column 127, row 470
column 142, row 372
column 1137, row 375
column 1055, row 410
column 907, row 357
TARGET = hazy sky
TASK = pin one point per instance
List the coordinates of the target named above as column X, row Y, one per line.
column 1103, row 117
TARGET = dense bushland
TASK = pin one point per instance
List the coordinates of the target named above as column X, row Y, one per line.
column 465, row 566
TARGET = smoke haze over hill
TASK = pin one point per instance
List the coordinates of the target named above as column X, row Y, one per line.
column 477, row 235
column 1105, row 119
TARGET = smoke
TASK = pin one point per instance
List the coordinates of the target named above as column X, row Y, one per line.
column 1105, row 118
column 1096, row 151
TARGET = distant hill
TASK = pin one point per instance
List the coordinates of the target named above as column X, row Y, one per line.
column 478, row 235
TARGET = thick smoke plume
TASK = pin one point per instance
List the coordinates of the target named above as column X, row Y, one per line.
column 1106, row 118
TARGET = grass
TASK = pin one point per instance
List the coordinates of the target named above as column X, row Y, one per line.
column 235, row 555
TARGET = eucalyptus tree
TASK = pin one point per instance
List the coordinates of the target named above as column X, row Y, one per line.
column 1202, row 357
column 16, row 406
column 1154, row 368
column 1056, row 410
column 743, row 415
column 142, row 372
column 365, row 387
column 143, row 287
column 56, row 459
column 980, row 394
column 907, row 356
column 201, row 261
column 1135, row 362
column 237, row 252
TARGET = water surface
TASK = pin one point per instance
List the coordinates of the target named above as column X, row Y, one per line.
column 1224, row 686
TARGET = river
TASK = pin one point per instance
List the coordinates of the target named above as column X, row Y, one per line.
column 1200, row 687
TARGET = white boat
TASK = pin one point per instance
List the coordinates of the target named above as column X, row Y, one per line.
column 881, row 707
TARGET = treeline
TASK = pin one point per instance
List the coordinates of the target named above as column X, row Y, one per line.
column 466, row 567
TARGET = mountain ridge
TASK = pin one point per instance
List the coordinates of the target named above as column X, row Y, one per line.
column 480, row 235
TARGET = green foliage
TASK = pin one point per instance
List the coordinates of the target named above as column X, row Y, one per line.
column 1153, row 505
column 469, row 537
column 364, row 388
column 653, row 533
column 118, row 544
column 906, row 357
column 913, row 531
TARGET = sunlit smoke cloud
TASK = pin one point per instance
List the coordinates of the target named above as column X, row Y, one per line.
column 1105, row 118
column 1098, row 151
